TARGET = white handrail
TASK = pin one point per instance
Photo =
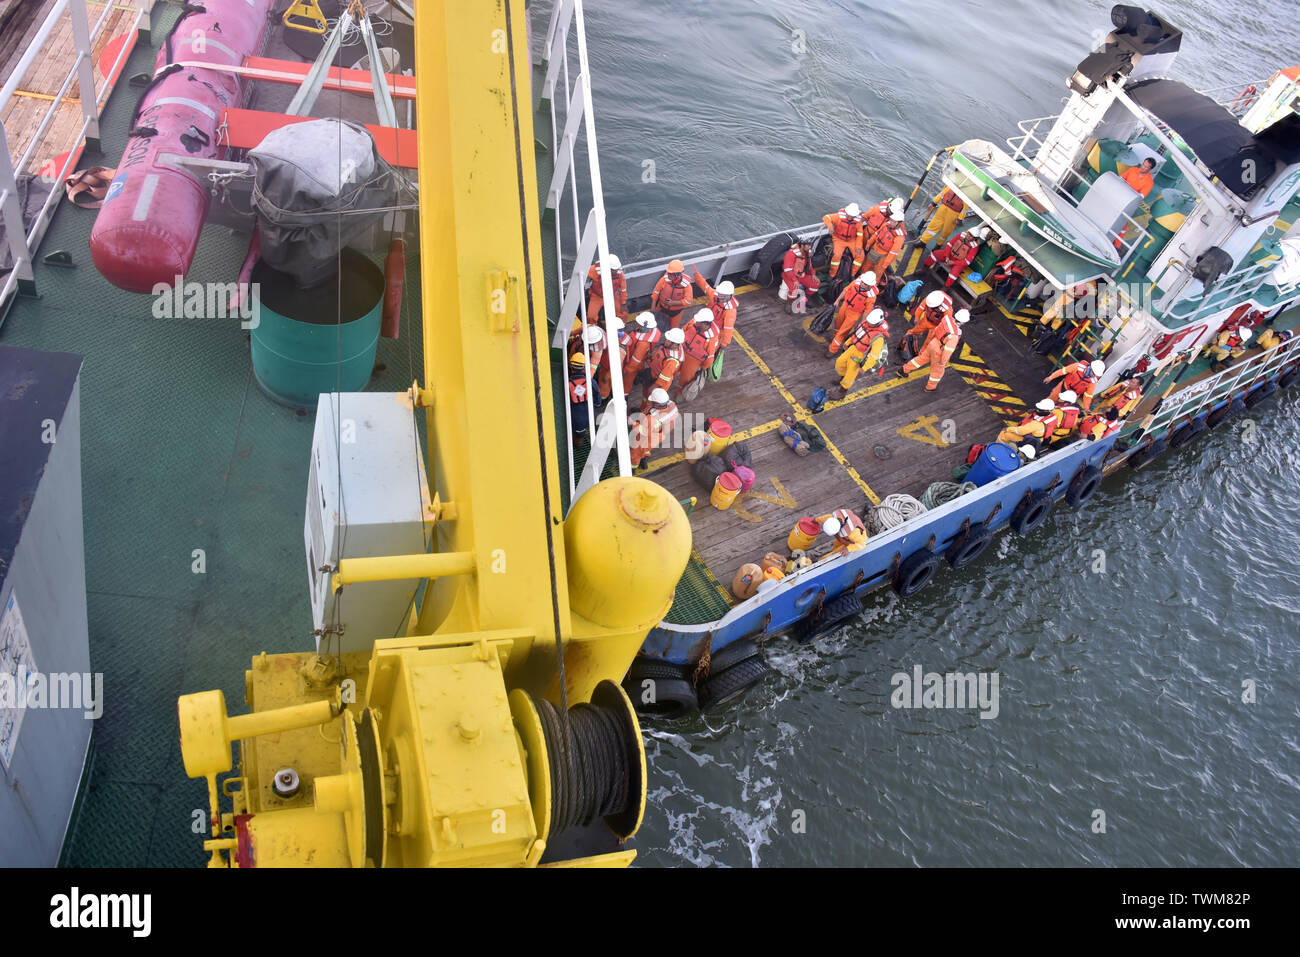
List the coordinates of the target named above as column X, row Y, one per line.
column 21, row 241
column 589, row 242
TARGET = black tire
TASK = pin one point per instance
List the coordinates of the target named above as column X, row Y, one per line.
column 833, row 613
column 1289, row 376
column 674, row 696
column 1260, row 393
column 962, row 553
column 1083, row 486
column 1032, row 513
column 915, row 572
column 1224, row 412
column 1186, row 432
column 733, row 682
column 1148, row 453
column 742, row 649
column 768, row 259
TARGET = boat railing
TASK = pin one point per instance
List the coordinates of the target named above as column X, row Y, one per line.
column 1238, row 286
column 1222, row 385
column 566, row 90
column 25, row 164
column 1236, row 98
column 1130, row 235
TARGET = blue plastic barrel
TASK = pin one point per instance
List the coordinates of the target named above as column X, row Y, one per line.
column 309, row 341
column 997, row 460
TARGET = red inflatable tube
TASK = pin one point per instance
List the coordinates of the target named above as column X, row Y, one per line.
column 148, row 228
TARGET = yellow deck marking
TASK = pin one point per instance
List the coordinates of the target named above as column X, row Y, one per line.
column 695, row 554
column 812, row 335
column 801, row 414
column 923, row 430
column 786, row 500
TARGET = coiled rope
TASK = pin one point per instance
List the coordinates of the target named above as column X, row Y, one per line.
column 942, row 492
column 893, row 510
column 591, row 775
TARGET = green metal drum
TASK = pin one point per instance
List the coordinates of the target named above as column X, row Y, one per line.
column 320, row 339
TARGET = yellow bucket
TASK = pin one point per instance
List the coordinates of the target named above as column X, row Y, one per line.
column 803, row 534
column 719, row 436
column 725, row 490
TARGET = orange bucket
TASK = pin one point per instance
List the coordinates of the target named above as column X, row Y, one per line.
column 725, row 490
column 719, row 436
column 803, row 534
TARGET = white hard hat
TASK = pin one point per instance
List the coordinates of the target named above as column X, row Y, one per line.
column 1068, row 396
column 831, row 526
column 1098, row 367
column 934, row 299
column 702, row 315
column 868, row 278
column 896, row 215
column 726, row 288
column 981, row 232
column 896, row 206
column 875, row 317
column 963, row 316
column 1028, row 451
column 593, row 335
column 1246, row 333
column 1045, row 405
column 615, row 262
column 646, row 320
column 658, row 396
column 852, row 210
column 675, row 336
column 617, row 323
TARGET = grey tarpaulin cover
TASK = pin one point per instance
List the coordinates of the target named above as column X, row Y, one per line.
column 314, row 181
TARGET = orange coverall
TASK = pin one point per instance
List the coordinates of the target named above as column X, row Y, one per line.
column 1076, row 378
column 855, row 302
column 939, row 346
column 884, row 247
column 664, row 363
column 650, row 431
column 596, row 298
column 724, row 311
column 638, row 351
column 672, row 296
column 846, row 236
column 701, row 346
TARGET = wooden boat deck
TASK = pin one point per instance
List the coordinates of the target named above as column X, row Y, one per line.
column 887, row 435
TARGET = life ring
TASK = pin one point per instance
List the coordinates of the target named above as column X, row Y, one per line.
column 1225, row 411
column 723, row 686
column 1148, row 453
column 1083, row 486
column 915, row 572
column 970, row 546
column 660, row 688
column 1191, row 429
column 1260, row 393
column 1032, row 512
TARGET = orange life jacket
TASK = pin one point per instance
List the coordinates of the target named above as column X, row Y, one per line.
column 701, row 345
column 876, row 217
column 665, row 353
column 1089, row 426
column 863, row 344
column 578, row 390
column 845, row 228
column 1067, row 418
column 951, row 200
column 1048, row 420
column 616, row 279
column 887, row 237
column 720, row 309
column 673, row 296
column 860, row 297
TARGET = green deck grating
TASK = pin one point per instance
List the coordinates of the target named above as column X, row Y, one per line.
column 180, row 451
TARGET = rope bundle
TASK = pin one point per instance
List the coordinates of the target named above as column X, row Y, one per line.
column 590, row 774
column 893, row 510
column 941, row 493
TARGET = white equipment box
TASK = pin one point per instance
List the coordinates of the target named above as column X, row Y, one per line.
column 367, row 496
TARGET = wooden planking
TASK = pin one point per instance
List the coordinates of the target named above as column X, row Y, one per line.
column 870, row 417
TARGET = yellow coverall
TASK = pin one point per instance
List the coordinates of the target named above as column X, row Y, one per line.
column 858, row 358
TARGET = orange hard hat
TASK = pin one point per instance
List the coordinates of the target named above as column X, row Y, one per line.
column 677, row 266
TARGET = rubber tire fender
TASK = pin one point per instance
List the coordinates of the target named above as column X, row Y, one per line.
column 915, row 572
column 1032, row 513
column 1260, row 393
column 834, row 612
column 1289, row 376
column 1148, row 453
column 674, row 695
column 1083, row 486
column 732, row 653
column 1224, row 412
column 962, row 553
column 732, row 682
column 1186, row 432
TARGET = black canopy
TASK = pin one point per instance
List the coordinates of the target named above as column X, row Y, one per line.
column 1242, row 161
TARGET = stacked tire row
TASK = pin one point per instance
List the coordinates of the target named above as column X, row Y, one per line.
column 1197, row 425
column 666, row 690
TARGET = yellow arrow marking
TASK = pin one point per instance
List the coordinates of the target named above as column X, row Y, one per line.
column 923, row 430
column 782, row 497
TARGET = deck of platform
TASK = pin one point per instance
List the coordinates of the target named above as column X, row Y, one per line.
column 887, row 435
